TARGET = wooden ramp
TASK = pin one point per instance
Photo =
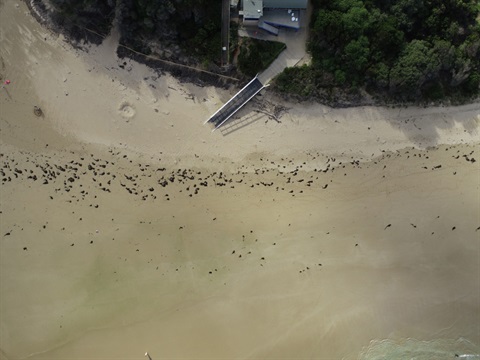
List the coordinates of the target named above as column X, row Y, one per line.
column 236, row 103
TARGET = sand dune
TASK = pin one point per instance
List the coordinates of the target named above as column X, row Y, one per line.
column 127, row 226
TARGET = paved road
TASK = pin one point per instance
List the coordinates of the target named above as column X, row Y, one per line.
column 225, row 30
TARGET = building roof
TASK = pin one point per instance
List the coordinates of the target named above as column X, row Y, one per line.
column 284, row 4
column 282, row 18
column 252, row 9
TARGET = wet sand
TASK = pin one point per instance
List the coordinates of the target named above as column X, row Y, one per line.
column 127, row 226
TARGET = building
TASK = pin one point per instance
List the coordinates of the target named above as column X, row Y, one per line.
column 276, row 13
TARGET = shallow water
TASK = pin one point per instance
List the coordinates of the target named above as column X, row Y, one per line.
column 413, row 349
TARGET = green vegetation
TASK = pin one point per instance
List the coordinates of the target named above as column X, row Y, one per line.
column 405, row 50
column 395, row 50
column 75, row 16
column 181, row 27
column 185, row 31
column 175, row 29
column 256, row 55
column 234, row 38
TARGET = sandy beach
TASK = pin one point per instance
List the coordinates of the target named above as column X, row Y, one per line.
column 127, row 226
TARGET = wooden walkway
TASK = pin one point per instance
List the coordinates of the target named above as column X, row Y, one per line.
column 236, row 103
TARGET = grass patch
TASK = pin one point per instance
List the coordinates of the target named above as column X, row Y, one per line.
column 256, row 55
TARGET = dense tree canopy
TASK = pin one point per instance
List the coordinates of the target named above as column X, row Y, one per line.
column 76, row 16
column 173, row 28
column 190, row 27
column 403, row 49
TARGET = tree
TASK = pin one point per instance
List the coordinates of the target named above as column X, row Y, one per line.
column 409, row 14
column 445, row 52
column 77, row 17
column 415, row 66
column 379, row 76
column 357, row 53
column 328, row 26
column 386, row 40
column 356, row 20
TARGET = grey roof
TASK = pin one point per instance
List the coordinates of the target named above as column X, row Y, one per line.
column 282, row 18
column 285, row 4
column 252, row 9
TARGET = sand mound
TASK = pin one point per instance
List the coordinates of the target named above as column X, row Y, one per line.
column 126, row 110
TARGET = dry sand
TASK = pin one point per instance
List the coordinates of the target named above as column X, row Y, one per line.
column 127, row 226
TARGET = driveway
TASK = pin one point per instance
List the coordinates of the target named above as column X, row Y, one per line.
column 296, row 41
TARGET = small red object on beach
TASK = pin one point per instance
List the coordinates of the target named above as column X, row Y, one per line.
column 7, row 82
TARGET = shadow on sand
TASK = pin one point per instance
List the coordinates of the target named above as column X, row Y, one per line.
column 423, row 126
column 240, row 122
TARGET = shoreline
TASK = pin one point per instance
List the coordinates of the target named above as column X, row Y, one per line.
column 186, row 74
column 411, row 126
column 128, row 226
column 263, row 238
column 183, row 73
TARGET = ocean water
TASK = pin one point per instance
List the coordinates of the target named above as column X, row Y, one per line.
column 412, row 349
